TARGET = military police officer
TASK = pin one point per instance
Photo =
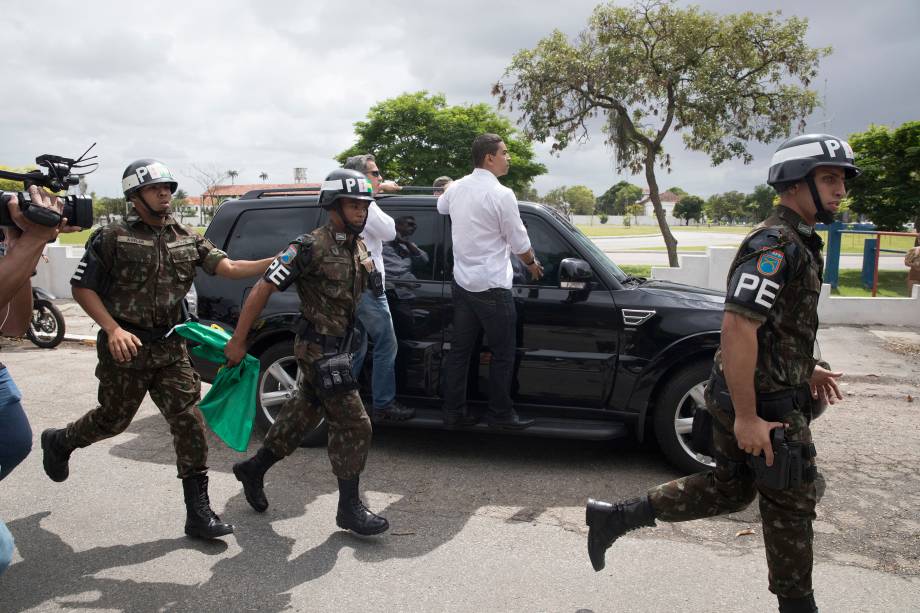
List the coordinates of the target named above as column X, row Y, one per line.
column 132, row 280
column 764, row 378
column 330, row 268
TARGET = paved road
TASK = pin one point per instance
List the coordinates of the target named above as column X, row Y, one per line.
column 480, row 522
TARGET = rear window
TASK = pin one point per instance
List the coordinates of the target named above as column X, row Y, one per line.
column 260, row 233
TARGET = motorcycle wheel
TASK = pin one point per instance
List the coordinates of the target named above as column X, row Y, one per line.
column 47, row 326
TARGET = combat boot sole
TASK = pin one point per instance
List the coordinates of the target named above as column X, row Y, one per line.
column 56, row 467
column 255, row 494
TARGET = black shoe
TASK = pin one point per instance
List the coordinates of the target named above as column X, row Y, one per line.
column 798, row 605
column 608, row 522
column 393, row 412
column 55, row 454
column 461, row 420
column 511, row 421
column 201, row 521
column 353, row 515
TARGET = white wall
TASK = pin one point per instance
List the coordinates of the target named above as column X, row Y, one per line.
column 54, row 275
column 711, row 270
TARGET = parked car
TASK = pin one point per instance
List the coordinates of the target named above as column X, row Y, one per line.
column 600, row 354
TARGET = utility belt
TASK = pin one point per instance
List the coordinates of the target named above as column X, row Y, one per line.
column 332, row 372
column 792, row 464
column 146, row 335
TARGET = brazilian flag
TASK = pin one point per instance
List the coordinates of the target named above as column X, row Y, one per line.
column 229, row 407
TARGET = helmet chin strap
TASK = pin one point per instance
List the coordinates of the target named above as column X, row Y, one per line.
column 163, row 216
column 822, row 214
column 349, row 227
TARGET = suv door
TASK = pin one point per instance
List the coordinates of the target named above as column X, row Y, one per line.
column 415, row 293
column 567, row 340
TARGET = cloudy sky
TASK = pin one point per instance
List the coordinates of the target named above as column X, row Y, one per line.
column 273, row 85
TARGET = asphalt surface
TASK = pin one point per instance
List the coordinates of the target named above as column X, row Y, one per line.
column 479, row 522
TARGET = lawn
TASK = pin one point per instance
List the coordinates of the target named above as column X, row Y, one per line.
column 891, row 283
column 79, row 238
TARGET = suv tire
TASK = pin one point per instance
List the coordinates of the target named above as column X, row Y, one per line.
column 277, row 382
column 682, row 396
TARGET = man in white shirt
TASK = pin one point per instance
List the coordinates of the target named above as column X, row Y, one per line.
column 486, row 228
column 373, row 311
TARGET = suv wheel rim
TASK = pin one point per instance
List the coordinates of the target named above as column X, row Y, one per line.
column 277, row 384
column 691, row 402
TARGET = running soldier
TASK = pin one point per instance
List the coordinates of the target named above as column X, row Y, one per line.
column 764, row 378
column 132, row 280
column 330, row 268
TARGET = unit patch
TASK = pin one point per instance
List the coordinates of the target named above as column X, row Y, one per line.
column 770, row 263
column 289, row 254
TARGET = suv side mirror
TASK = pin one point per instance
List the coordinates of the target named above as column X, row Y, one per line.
column 574, row 273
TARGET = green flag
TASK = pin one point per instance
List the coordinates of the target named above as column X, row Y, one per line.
column 229, row 407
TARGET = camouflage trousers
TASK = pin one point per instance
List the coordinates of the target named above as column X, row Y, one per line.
column 349, row 426
column 174, row 387
column 786, row 514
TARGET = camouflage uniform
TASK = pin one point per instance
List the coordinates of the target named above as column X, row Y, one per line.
column 329, row 276
column 775, row 279
column 142, row 273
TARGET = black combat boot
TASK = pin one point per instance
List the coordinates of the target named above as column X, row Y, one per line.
column 394, row 411
column 353, row 515
column 201, row 521
column 251, row 474
column 798, row 605
column 56, row 454
column 608, row 522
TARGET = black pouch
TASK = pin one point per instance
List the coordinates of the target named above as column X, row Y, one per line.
column 701, row 433
column 790, row 464
column 332, row 374
column 375, row 283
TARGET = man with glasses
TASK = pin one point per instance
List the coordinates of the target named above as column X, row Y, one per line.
column 373, row 312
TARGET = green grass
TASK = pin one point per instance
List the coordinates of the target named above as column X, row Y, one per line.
column 891, row 283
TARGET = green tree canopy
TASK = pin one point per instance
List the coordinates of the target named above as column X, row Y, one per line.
column 888, row 190
column 606, row 201
column 689, row 207
column 677, row 191
column 417, row 137
column 581, row 199
column 759, row 203
column 720, row 80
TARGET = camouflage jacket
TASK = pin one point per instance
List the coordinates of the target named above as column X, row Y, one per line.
column 776, row 279
column 329, row 274
column 142, row 273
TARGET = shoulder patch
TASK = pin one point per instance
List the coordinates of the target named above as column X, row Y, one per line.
column 288, row 254
column 770, row 262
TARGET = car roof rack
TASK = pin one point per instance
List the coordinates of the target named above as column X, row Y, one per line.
column 255, row 194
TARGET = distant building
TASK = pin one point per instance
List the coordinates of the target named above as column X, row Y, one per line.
column 219, row 193
column 668, row 200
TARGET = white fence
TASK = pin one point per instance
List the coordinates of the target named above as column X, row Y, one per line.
column 711, row 270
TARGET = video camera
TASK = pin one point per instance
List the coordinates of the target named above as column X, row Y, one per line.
column 59, row 176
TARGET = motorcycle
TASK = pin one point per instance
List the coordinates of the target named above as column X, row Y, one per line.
column 47, row 326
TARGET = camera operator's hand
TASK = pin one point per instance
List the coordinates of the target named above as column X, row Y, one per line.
column 123, row 345
column 31, row 230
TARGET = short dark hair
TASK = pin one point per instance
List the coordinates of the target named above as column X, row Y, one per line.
column 483, row 145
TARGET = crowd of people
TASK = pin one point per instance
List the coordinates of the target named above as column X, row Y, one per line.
column 135, row 273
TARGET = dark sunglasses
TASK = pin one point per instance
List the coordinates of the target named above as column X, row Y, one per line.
column 375, row 173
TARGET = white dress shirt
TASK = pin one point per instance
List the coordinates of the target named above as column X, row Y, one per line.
column 486, row 228
column 380, row 228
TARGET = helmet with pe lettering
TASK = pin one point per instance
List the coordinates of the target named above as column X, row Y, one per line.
column 798, row 156
column 142, row 173
column 345, row 183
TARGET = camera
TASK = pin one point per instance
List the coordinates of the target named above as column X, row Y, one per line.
column 59, row 176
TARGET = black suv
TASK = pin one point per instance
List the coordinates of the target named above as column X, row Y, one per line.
column 600, row 354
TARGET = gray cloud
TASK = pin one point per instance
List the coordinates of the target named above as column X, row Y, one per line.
column 258, row 86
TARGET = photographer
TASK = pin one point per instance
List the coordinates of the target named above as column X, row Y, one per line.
column 24, row 243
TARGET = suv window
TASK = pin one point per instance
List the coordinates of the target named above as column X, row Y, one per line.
column 260, row 233
column 550, row 248
column 426, row 236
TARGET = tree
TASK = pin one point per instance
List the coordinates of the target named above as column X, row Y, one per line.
column 629, row 194
column 689, row 207
column 720, row 80
column 209, row 179
column 417, row 137
column 581, row 199
column 677, row 191
column 759, row 203
column 108, row 208
column 264, row 176
column 888, row 190
column 635, row 210
column 528, row 193
column 605, row 202
column 233, row 174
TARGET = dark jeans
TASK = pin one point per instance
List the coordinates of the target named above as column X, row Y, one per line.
column 15, row 433
column 493, row 311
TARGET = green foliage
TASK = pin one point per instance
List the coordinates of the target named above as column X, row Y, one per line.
column 581, row 199
column 759, row 203
column 606, row 202
column 720, row 80
column 689, row 207
column 417, row 137
column 108, row 207
column 677, row 191
column 603, row 218
column 9, row 185
column 888, row 190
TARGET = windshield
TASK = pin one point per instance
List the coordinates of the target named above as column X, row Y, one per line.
column 587, row 245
